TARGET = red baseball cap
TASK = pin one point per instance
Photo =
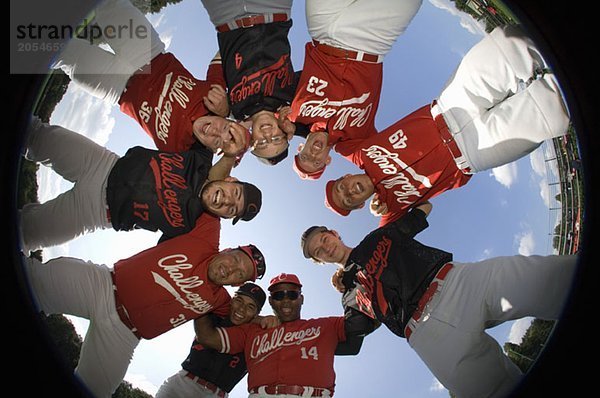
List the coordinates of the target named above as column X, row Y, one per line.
column 284, row 278
column 330, row 203
column 307, row 175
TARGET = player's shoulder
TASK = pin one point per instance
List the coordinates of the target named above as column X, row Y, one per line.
column 323, row 321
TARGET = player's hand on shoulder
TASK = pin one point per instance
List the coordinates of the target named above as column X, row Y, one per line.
column 377, row 207
column 284, row 123
column 336, row 280
column 267, row 321
column 216, row 100
column 238, row 142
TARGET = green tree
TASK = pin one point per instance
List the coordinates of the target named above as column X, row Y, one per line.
column 534, row 340
column 126, row 390
column 152, row 6
column 53, row 92
column 62, row 332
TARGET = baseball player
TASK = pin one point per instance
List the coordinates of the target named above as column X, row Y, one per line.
column 173, row 107
column 142, row 296
column 256, row 59
column 147, row 189
column 501, row 104
column 277, row 356
column 206, row 372
column 443, row 307
column 340, row 85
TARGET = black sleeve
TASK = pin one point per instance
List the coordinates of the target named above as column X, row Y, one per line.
column 410, row 224
column 302, row 130
column 357, row 326
column 163, row 238
column 202, row 150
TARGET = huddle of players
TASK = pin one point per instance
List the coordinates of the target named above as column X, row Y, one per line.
column 179, row 191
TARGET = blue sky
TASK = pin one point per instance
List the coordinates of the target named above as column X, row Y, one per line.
column 501, row 212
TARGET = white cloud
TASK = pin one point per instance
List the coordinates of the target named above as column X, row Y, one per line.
column 518, row 329
column 539, row 165
column 538, row 162
column 466, row 21
column 487, row 253
column 545, row 192
column 436, row 386
column 141, row 381
column 84, row 114
column 506, row 174
column 526, row 243
column 159, row 21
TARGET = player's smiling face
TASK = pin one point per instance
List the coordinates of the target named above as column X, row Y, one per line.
column 314, row 154
column 243, row 309
column 351, row 191
column 326, row 247
column 230, row 267
column 286, row 308
column 213, row 131
column 223, row 198
column 268, row 140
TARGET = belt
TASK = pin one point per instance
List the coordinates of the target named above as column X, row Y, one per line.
column 122, row 311
column 448, row 139
column 434, row 286
column 348, row 54
column 206, row 384
column 253, row 20
column 283, row 389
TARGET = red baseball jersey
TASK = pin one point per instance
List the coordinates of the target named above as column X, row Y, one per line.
column 167, row 285
column 408, row 163
column 279, row 355
column 337, row 95
column 166, row 101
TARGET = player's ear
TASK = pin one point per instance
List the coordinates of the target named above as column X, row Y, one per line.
column 328, row 160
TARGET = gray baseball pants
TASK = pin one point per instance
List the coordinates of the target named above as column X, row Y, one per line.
column 102, row 73
column 71, row 286
column 450, row 335
column 221, row 12
column 496, row 105
column 80, row 210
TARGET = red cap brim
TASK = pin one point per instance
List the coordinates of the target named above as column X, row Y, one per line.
column 330, row 202
column 306, row 175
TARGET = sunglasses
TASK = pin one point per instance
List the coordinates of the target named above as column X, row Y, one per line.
column 282, row 294
column 257, row 258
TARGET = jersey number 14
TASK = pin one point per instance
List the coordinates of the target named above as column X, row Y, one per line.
column 312, row 352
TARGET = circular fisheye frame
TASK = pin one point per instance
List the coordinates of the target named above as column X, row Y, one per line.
column 562, row 33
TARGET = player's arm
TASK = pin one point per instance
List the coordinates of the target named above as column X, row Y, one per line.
column 216, row 100
column 357, row 325
column 413, row 222
column 221, row 169
column 207, row 334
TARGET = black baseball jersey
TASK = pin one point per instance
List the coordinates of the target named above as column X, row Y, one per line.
column 258, row 68
column 157, row 190
column 389, row 271
column 223, row 370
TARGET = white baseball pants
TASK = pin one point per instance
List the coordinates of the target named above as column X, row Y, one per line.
column 495, row 113
column 450, row 336
column 80, row 210
column 370, row 26
column 180, row 386
column 102, row 73
column 223, row 11
column 75, row 287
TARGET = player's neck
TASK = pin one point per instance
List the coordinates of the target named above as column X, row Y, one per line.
column 346, row 254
